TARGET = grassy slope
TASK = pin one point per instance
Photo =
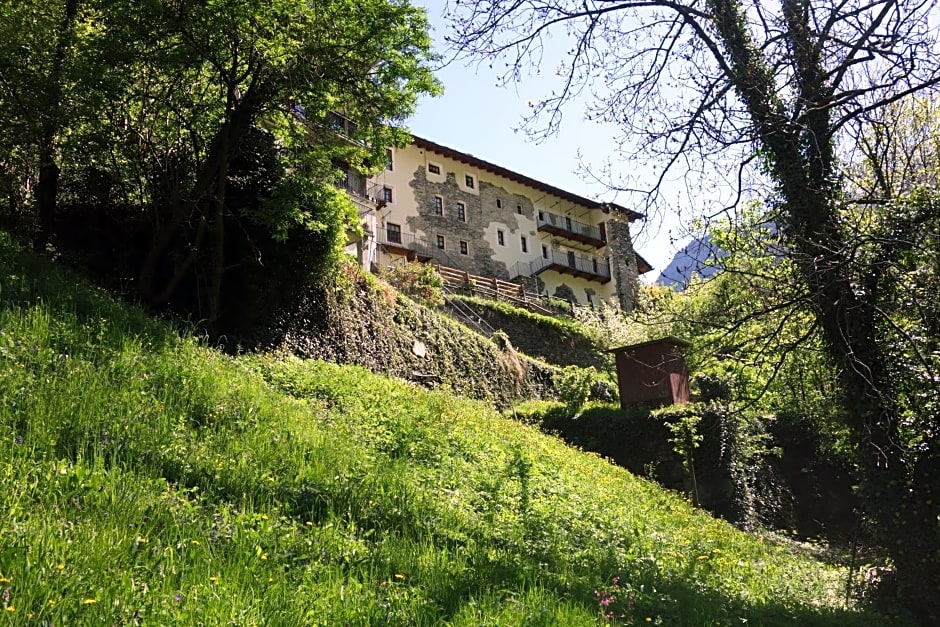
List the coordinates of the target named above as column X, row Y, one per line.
column 146, row 479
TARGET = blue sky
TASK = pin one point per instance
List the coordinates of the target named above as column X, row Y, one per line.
column 476, row 116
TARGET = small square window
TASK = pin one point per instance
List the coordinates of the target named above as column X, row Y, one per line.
column 541, row 216
column 387, row 194
column 438, row 206
column 440, row 242
column 464, row 248
column 468, row 180
column 525, row 244
column 544, row 252
column 500, row 239
column 519, row 209
column 461, row 212
column 499, row 203
column 433, row 168
column 389, row 165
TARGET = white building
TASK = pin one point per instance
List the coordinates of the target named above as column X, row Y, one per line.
column 436, row 203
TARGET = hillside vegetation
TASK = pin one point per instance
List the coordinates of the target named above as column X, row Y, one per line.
column 147, row 479
column 369, row 324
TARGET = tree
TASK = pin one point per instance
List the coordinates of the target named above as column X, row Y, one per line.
column 155, row 101
column 38, row 72
column 778, row 87
column 896, row 151
column 273, row 64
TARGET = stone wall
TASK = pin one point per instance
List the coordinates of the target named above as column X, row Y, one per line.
column 550, row 343
column 480, row 211
column 390, row 334
column 490, row 208
column 622, row 262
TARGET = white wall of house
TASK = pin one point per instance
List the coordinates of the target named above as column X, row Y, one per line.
column 492, row 204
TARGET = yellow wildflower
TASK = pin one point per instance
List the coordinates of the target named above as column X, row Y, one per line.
column 89, row 601
column 11, row 608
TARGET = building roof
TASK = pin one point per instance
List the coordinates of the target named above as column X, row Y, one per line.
column 669, row 339
column 642, row 265
column 492, row 168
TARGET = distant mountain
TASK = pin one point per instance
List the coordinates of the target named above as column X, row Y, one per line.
column 692, row 260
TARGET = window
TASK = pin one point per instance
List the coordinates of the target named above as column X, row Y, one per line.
column 500, row 238
column 387, row 194
column 393, row 233
column 519, row 209
column 440, row 242
column 468, row 180
column 499, row 203
column 525, row 244
column 461, row 212
column 389, row 165
column 544, row 252
column 433, row 168
column 541, row 216
column 438, row 206
column 464, row 248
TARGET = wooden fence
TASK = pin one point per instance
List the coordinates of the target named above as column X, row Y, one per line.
column 493, row 288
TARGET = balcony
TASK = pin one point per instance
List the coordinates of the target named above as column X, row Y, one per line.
column 571, row 229
column 340, row 124
column 354, row 183
column 565, row 262
column 409, row 244
column 364, row 192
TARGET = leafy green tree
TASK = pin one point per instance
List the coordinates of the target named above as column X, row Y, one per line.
column 38, row 75
column 779, row 85
column 152, row 103
column 280, row 65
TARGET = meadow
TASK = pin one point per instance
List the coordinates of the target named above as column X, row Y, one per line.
column 147, row 479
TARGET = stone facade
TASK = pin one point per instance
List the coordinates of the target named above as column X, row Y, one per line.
column 481, row 214
column 623, row 265
column 478, row 217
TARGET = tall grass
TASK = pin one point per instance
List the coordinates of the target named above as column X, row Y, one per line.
column 147, row 479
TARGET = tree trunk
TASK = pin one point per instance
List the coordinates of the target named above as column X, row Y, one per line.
column 46, row 193
column 47, row 188
column 902, row 501
column 207, row 200
column 899, row 495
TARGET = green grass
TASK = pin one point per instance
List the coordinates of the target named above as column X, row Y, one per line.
column 564, row 326
column 147, row 479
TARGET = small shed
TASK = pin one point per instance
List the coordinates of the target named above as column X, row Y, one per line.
column 653, row 373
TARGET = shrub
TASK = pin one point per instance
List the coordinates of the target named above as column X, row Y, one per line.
column 418, row 280
column 574, row 385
